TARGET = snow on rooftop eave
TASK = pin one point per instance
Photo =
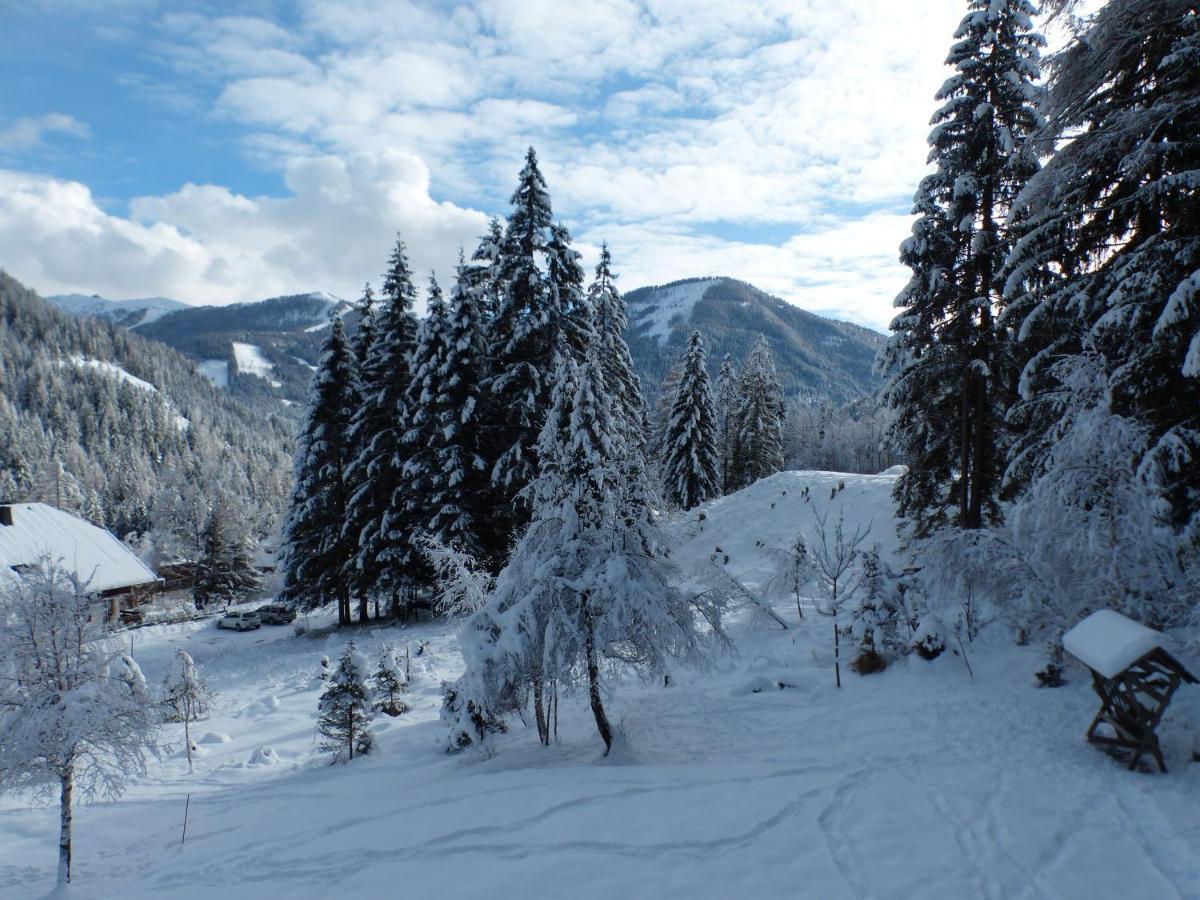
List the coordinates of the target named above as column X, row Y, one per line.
column 1109, row 643
column 90, row 552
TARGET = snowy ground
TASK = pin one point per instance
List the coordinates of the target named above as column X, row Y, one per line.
column 921, row 781
column 251, row 361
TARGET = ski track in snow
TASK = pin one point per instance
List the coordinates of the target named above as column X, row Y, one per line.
column 918, row 782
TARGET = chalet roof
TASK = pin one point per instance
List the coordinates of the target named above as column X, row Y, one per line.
column 90, row 552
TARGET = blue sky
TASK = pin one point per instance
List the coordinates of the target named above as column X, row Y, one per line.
column 221, row 152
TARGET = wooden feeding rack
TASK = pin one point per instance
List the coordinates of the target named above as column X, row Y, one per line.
column 1134, row 677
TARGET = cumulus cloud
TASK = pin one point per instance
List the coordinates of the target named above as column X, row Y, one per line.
column 206, row 244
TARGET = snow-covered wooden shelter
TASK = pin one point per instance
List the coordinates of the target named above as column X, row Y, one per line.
column 31, row 531
column 1134, row 676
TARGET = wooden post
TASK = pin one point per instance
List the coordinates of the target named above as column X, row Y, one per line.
column 186, row 805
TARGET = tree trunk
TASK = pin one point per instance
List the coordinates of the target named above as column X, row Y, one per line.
column 539, row 710
column 837, row 651
column 64, row 832
column 350, row 731
column 187, row 739
column 363, row 612
column 593, row 671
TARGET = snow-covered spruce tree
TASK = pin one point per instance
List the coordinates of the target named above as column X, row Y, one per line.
column 376, row 473
column 690, row 467
column 74, row 710
column 758, row 420
column 458, row 486
column 226, row 572
column 540, row 308
column 484, row 271
column 345, row 708
column 610, row 319
column 316, row 549
column 388, row 683
column 364, row 334
column 410, row 507
column 463, row 583
column 726, row 401
column 186, row 697
column 1107, row 267
column 948, row 366
column 588, row 586
column 874, row 616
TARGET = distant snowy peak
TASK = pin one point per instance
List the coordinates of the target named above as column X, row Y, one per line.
column 817, row 358
column 126, row 313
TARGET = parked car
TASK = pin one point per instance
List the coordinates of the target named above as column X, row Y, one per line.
column 276, row 614
column 240, row 621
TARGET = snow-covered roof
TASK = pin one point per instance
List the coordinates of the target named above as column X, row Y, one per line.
column 1109, row 643
column 90, row 552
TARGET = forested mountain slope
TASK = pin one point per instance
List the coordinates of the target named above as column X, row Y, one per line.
column 127, row 432
column 815, row 357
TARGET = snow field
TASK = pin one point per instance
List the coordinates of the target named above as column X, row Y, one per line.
column 251, row 361
column 921, row 781
column 669, row 304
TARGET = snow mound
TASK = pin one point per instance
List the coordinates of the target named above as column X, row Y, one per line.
column 215, row 737
column 895, row 471
column 264, row 756
column 1109, row 643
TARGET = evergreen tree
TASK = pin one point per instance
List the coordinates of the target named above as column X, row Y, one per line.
column 345, row 708
column 727, row 392
column 1105, row 271
column 364, row 335
column 226, row 572
column 316, row 549
column 387, row 684
column 691, row 464
column 609, row 315
column 377, row 430
column 459, row 493
column 484, row 271
column 412, row 500
column 541, row 310
column 587, row 586
column 758, row 420
column 948, row 365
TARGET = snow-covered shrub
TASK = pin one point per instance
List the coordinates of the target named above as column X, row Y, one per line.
column 929, row 641
column 875, row 616
column 469, row 723
column 186, row 697
column 387, row 684
column 346, row 709
column 462, row 583
column 1051, row 675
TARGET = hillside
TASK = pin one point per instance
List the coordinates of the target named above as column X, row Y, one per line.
column 922, row 781
column 126, row 313
column 815, row 357
column 138, row 432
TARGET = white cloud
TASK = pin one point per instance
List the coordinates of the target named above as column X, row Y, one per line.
column 206, row 244
column 28, row 132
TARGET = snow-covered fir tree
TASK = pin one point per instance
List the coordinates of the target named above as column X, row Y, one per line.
column 388, row 683
column 364, row 334
column 1104, row 276
column 948, row 366
column 458, row 482
column 726, row 404
column 691, row 464
column 75, row 714
column 609, row 315
column 411, row 505
column 316, row 548
column 484, row 271
column 541, row 307
column 345, row 708
column 587, row 588
column 226, row 572
column 758, row 420
column 875, row 615
column 376, row 473
column 186, row 697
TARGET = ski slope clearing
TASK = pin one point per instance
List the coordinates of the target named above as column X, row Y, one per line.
column 667, row 305
column 215, row 370
column 251, row 361
column 759, row 779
